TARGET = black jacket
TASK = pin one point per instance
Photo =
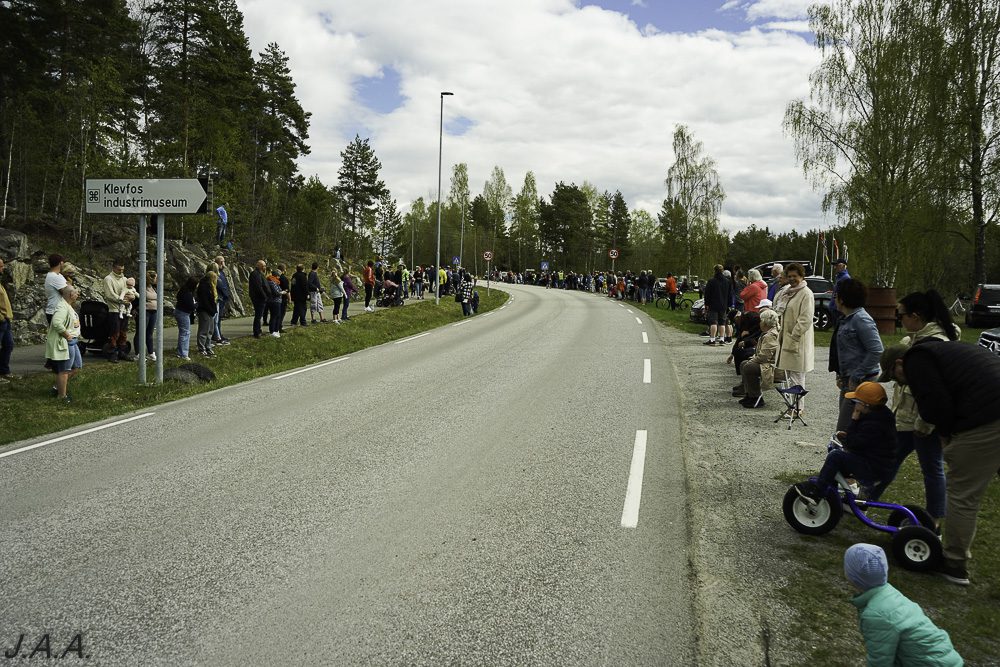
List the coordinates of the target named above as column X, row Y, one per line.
column 185, row 301
column 873, row 438
column 717, row 293
column 300, row 286
column 259, row 291
column 206, row 301
column 956, row 385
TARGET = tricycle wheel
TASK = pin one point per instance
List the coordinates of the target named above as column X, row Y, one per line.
column 811, row 518
column 917, row 548
column 897, row 519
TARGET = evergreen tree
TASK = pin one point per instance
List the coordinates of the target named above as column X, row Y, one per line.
column 388, row 227
column 359, row 182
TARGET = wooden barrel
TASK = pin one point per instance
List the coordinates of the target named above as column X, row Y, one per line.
column 882, row 307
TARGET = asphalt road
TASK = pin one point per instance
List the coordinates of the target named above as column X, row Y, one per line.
column 453, row 498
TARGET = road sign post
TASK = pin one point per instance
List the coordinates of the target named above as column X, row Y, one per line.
column 488, row 256
column 145, row 196
column 613, row 254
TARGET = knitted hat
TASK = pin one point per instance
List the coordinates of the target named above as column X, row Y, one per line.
column 865, row 566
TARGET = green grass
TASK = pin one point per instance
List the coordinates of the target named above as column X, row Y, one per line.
column 104, row 390
column 826, row 622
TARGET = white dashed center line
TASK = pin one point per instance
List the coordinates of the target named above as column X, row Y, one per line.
column 645, row 338
column 633, row 493
column 638, row 320
column 647, row 371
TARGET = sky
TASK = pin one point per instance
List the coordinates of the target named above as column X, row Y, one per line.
column 574, row 91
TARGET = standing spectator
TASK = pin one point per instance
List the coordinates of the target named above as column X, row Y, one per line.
column 418, row 280
column 896, row 630
column 113, row 288
column 260, row 294
column 733, row 307
column 840, row 267
column 54, row 282
column 926, row 318
column 184, row 313
column 957, row 388
column 777, row 281
column 300, row 295
column 225, row 296
column 337, row 294
column 717, row 297
column 315, row 295
column 399, row 278
column 858, row 345
column 285, row 296
column 672, row 290
column 754, row 292
column 369, row 282
column 223, row 221
column 442, row 286
column 337, row 255
column 466, row 294
column 61, row 342
column 6, row 335
column 207, row 300
column 641, row 283
column 349, row 291
column 275, row 302
column 150, row 314
column 795, row 351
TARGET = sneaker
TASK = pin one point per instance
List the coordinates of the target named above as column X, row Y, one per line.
column 4, row 380
column 182, row 358
column 369, row 309
column 68, row 399
column 710, row 341
column 727, row 339
column 53, row 392
column 224, row 341
column 739, row 392
column 151, row 356
column 205, row 354
column 336, row 321
column 275, row 334
column 956, row 574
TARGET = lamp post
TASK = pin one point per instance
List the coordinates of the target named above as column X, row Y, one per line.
column 461, row 243
column 437, row 266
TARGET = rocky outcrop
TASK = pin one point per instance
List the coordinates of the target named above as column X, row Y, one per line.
column 13, row 245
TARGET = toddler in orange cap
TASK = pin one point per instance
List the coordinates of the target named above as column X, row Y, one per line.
column 869, row 451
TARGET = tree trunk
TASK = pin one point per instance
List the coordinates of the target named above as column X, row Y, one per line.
column 10, row 168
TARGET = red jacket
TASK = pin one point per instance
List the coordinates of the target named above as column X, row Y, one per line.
column 752, row 295
column 369, row 276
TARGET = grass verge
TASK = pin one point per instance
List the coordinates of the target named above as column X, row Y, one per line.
column 103, row 390
column 826, row 621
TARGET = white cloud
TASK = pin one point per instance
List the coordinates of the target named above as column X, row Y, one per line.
column 570, row 93
column 788, row 26
column 778, row 9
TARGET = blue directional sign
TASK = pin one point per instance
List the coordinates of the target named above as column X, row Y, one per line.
column 455, row 260
column 545, row 266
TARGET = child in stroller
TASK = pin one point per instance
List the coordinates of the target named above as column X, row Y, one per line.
column 390, row 295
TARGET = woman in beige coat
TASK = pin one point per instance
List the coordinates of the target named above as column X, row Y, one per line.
column 795, row 338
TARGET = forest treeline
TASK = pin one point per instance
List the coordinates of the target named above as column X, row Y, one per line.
column 900, row 134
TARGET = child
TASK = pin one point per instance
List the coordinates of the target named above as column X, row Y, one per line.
column 127, row 297
column 869, row 451
column 895, row 629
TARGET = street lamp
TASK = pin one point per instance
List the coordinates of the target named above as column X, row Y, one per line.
column 437, row 266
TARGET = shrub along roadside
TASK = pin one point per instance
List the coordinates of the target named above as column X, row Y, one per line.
column 103, row 390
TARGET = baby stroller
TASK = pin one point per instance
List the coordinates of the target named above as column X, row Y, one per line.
column 95, row 327
column 390, row 295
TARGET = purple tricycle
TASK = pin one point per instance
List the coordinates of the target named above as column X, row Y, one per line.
column 915, row 545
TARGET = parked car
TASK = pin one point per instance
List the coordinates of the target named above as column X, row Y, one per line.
column 990, row 339
column 985, row 308
column 765, row 268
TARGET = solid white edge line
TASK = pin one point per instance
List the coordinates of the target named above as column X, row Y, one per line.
column 647, row 371
column 77, row 434
column 458, row 324
column 645, row 338
column 487, row 314
column 633, row 493
column 312, row 368
column 407, row 340
column 638, row 320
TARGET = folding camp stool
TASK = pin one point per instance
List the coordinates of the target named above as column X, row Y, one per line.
column 792, row 396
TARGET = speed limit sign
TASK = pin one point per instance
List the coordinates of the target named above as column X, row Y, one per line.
column 613, row 253
column 488, row 255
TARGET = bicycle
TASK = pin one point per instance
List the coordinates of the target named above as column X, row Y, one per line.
column 683, row 302
column 959, row 307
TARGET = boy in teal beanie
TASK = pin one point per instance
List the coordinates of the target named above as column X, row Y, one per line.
column 896, row 631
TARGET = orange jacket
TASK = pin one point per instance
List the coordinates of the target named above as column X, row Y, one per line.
column 369, row 276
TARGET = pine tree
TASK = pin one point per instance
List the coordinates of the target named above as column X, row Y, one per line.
column 359, row 182
column 388, row 227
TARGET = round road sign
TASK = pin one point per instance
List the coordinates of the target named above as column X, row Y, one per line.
column 488, row 255
column 613, row 253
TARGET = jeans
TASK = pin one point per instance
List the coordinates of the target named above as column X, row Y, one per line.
column 347, row 301
column 420, row 290
column 849, row 465
column 258, row 313
column 275, row 323
column 150, row 324
column 183, row 332
column 206, row 325
column 466, row 308
column 219, row 310
column 6, row 347
column 929, row 454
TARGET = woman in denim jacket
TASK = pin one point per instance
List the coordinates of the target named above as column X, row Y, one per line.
column 858, row 344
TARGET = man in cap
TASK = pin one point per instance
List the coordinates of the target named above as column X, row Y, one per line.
column 957, row 388
column 840, row 273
